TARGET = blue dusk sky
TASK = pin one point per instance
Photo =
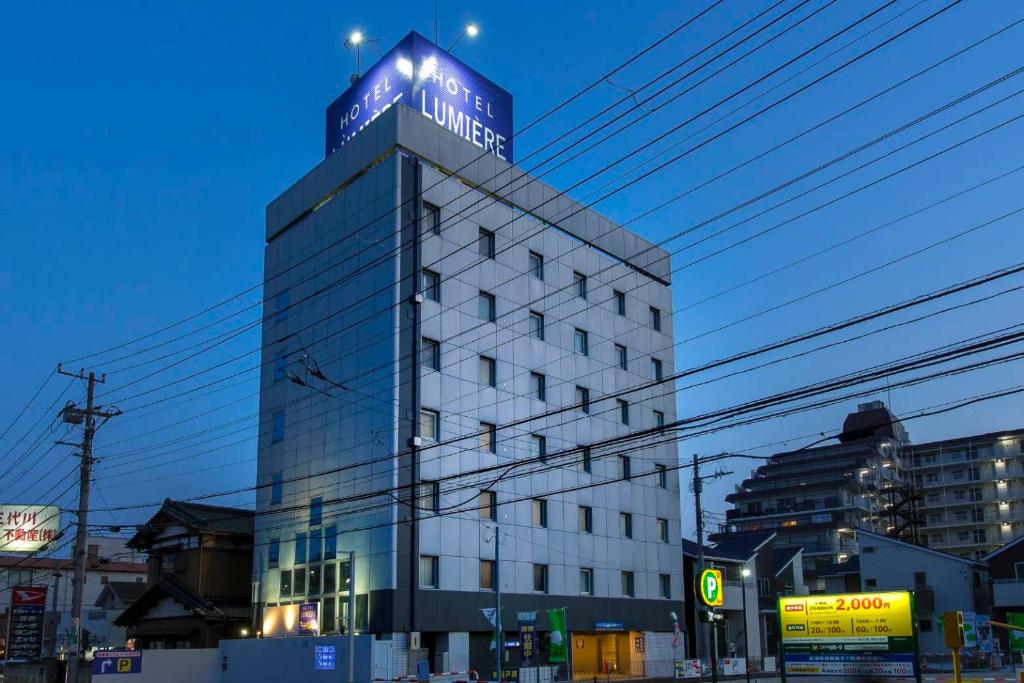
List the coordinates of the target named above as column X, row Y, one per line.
column 143, row 141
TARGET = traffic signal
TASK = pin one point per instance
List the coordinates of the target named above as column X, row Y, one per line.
column 953, row 629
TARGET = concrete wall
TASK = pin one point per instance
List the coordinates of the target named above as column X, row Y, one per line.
column 291, row 659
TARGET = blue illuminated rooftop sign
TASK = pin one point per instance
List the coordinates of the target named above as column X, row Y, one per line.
column 421, row 75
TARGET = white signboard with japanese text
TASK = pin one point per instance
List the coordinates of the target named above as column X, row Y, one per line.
column 27, row 528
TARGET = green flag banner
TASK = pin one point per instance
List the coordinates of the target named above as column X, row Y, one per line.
column 1016, row 637
column 559, row 637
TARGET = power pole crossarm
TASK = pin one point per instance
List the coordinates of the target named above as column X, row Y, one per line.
column 72, row 414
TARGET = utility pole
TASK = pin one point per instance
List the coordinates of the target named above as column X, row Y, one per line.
column 75, row 415
column 698, row 487
column 499, row 635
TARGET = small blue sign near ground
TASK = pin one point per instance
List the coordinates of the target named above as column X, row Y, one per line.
column 117, row 662
column 326, row 658
column 608, row 626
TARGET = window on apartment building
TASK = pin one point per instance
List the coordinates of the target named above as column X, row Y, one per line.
column 276, row 488
column 626, row 524
column 623, row 411
column 540, row 512
column 431, row 219
column 430, row 496
column 583, row 399
column 963, row 536
column 537, row 325
column 282, row 304
column 579, row 285
column 430, row 354
column 536, row 265
column 486, row 575
column 977, row 515
column 429, row 571
column 316, row 511
column 656, row 369
column 628, row 584
column 485, row 244
column 663, row 531
column 330, row 542
column 586, row 519
column 620, row 357
column 620, row 302
column 284, row 587
column 931, row 478
column 580, row 342
column 538, row 386
column 659, row 418
column 301, row 545
column 973, row 473
column 938, row 539
column 488, row 372
column 489, row 505
column 540, row 578
column 430, row 424
column 585, row 459
column 656, row 319
column 625, row 467
column 538, row 446
column 662, row 476
column 586, row 581
column 979, row 536
column 274, row 552
column 958, row 475
column 277, row 427
column 960, row 495
column 486, row 307
column 281, row 365
column 313, row 587
column 665, row 585
column 430, row 285
column 488, row 437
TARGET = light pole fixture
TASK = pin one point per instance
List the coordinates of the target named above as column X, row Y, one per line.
column 354, row 40
column 471, row 30
column 745, row 573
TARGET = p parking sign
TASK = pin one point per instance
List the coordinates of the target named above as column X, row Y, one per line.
column 711, row 588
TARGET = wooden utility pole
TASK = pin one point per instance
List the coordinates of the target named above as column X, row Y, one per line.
column 72, row 414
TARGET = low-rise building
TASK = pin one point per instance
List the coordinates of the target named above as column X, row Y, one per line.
column 200, row 565
column 1006, row 571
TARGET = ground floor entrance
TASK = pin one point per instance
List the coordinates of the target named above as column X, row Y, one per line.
column 601, row 652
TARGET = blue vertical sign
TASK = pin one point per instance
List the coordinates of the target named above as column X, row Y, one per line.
column 421, row 75
column 326, row 658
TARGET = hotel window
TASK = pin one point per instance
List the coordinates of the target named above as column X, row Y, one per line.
column 620, row 302
column 628, row 584
column 662, row 476
column 979, row 536
column 281, row 366
column 485, row 244
column 277, row 428
column 659, row 418
column 665, row 583
column 537, row 325
column 431, row 219
column 330, row 542
column 488, row 437
column 489, row 505
column 623, row 411
column 656, row 369
column 538, row 386
column 536, row 265
column 488, row 372
column 586, row 581
column 540, row 578
column 540, row 512
column 663, row 531
column 626, row 524
column 656, row 319
column 328, row 610
column 300, row 548
column 580, row 342
column 430, row 424
column 429, row 571
column 285, row 586
column 538, row 446
column 282, row 304
column 486, row 307
column 314, row 581
column 316, row 511
column 486, row 575
column 299, row 581
column 274, row 552
column 430, row 285
column 579, row 285
column 620, row 356
column 430, row 354
column 430, row 496
column 276, row 488
column 583, row 399
column 585, row 459
column 625, row 467
column 586, row 519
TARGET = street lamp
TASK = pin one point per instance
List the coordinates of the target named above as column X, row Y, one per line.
column 471, row 30
column 746, row 625
column 354, row 40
